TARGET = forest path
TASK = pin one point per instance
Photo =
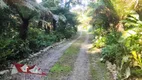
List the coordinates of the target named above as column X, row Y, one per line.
column 87, row 65
column 46, row 60
column 81, row 66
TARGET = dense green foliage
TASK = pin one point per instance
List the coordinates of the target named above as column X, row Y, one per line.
column 28, row 28
column 117, row 29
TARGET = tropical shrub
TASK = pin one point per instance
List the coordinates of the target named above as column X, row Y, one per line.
column 117, row 30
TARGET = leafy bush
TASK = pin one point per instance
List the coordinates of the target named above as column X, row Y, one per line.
column 113, row 37
column 122, row 47
column 125, row 50
column 113, row 53
column 20, row 49
column 99, row 42
column 69, row 32
column 39, row 39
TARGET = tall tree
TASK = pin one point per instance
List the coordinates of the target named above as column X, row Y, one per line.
column 26, row 11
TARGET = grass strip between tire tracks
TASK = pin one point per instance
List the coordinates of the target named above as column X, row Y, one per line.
column 66, row 63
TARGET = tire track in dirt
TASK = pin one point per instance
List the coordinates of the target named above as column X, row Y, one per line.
column 81, row 66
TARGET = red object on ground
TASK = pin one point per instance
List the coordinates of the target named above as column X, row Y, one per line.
column 21, row 68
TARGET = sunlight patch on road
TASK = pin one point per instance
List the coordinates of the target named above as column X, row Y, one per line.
column 94, row 50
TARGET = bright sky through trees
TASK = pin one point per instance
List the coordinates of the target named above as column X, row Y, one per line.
column 38, row 1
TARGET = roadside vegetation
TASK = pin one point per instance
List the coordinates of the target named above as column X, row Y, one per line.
column 27, row 27
column 98, row 70
column 117, row 29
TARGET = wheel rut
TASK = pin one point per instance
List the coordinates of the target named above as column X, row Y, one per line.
column 81, row 66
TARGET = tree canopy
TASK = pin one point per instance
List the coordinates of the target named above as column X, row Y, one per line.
column 27, row 26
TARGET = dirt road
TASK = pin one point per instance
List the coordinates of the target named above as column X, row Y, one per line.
column 81, row 66
column 47, row 60
column 81, row 69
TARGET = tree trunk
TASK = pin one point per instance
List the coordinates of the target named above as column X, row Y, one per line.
column 40, row 24
column 24, row 29
column 47, row 29
column 119, row 27
column 54, row 24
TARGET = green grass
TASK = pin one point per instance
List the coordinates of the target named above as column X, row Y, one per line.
column 92, row 70
column 66, row 63
column 98, row 70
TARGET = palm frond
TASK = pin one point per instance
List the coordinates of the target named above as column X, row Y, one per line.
column 2, row 4
column 32, row 5
column 21, row 3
